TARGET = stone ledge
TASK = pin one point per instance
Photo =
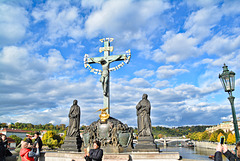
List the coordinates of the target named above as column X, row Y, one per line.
column 153, row 155
column 132, row 156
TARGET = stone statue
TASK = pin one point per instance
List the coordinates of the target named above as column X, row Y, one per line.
column 143, row 117
column 74, row 120
column 105, row 62
column 105, row 71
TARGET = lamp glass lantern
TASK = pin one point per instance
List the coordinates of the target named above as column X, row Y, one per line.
column 227, row 79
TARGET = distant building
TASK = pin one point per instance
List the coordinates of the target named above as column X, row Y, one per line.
column 17, row 132
column 226, row 126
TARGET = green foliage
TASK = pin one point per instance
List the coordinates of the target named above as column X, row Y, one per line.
column 30, row 127
column 16, row 138
column 205, row 136
column 52, row 140
column 179, row 131
column 213, row 137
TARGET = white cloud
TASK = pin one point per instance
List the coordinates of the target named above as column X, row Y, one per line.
column 144, row 73
column 199, row 23
column 62, row 19
column 13, row 24
column 201, row 3
column 164, row 72
column 140, row 82
column 120, row 19
column 40, row 76
column 117, row 15
column 161, row 84
column 92, row 4
column 231, row 7
column 222, row 45
column 176, row 48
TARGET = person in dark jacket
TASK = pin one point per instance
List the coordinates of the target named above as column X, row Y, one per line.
column 224, row 149
column 2, row 150
column 39, row 142
column 95, row 154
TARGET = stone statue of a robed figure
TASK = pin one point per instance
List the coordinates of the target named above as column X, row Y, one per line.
column 73, row 141
column 74, row 120
column 145, row 136
column 143, row 117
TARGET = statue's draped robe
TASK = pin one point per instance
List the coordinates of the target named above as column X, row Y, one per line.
column 74, row 121
column 143, row 118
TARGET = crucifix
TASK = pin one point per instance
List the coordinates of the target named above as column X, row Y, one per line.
column 105, row 62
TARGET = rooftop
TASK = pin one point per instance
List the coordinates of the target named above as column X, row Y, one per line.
column 14, row 130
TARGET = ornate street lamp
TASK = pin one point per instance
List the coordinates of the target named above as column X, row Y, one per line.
column 227, row 79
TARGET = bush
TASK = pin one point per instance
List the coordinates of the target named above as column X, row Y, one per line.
column 16, row 138
column 52, row 140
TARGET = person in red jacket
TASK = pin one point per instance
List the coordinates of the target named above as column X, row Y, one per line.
column 26, row 152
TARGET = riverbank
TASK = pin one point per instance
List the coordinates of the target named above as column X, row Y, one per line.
column 210, row 145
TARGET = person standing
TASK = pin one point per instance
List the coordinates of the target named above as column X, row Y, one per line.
column 27, row 154
column 38, row 141
column 96, row 153
column 6, row 146
column 2, row 151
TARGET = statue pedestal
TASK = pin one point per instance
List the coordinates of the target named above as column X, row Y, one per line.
column 145, row 144
column 72, row 144
column 115, row 137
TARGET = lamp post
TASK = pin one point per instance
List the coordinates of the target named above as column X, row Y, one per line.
column 227, row 79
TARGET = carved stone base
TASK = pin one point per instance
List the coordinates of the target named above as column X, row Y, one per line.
column 146, row 144
column 72, row 144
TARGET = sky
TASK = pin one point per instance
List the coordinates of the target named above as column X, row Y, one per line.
column 177, row 48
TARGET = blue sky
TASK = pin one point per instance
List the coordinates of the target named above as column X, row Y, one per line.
column 178, row 49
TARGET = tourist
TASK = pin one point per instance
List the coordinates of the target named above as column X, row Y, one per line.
column 29, row 140
column 95, row 154
column 5, row 141
column 6, row 146
column 38, row 142
column 17, row 149
column 224, row 149
column 27, row 153
column 2, row 151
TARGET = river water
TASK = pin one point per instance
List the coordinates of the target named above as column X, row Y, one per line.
column 192, row 154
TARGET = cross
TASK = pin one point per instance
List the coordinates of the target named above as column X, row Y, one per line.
column 105, row 62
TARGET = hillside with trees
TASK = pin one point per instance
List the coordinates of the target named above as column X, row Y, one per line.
column 53, row 140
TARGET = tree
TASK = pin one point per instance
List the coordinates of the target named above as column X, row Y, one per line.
column 16, row 138
column 213, row 136
column 160, row 136
column 205, row 135
column 51, row 139
column 231, row 139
